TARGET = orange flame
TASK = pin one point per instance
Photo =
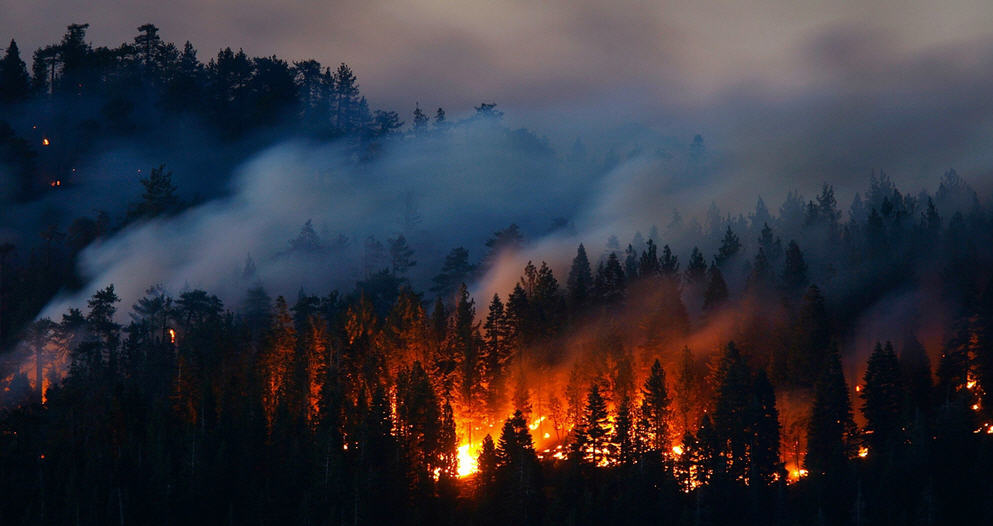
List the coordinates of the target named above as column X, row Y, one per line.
column 467, row 461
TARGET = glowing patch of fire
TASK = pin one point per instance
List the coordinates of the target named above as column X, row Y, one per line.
column 467, row 461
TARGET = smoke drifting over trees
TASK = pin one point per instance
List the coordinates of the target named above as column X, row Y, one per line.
column 232, row 290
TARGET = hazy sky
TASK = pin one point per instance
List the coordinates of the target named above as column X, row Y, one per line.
column 526, row 53
column 788, row 94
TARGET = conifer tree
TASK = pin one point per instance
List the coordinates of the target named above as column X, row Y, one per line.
column 625, row 439
column 765, row 466
column 730, row 245
column 696, row 269
column 883, row 397
column 580, row 283
column 401, row 256
column 655, row 410
column 15, row 83
column 831, row 429
column 608, row 285
column 159, row 197
column 420, row 121
column 731, row 418
column 716, row 293
column 487, row 463
column 795, row 269
column 592, row 435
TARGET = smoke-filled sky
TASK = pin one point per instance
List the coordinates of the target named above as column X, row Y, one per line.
column 782, row 89
column 788, row 95
column 537, row 53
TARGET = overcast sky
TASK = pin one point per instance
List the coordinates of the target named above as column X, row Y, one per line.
column 830, row 90
column 526, row 52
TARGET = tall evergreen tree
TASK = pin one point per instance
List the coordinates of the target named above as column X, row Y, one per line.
column 592, row 435
column 731, row 417
column 15, row 83
column 765, row 466
column 831, row 428
column 716, row 293
column 696, row 269
column 579, row 286
column 655, row 410
column 730, row 245
column 625, row 438
column 883, row 398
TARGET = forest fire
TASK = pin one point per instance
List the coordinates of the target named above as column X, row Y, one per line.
column 467, row 460
column 581, row 313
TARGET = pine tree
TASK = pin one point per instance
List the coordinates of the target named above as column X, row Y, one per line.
column 630, row 263
column 772, row 247
column 883, row 397
column 592, row 435
column 730, row 245
column 761, row 277
column 916, row 368
column 655, row 410
column 696, row 269
column 716, row 293
column 496, row 354
column 831, row 428
column 420, row 121
column 465, row 342
column 580, row 283
column 608, row 285
column 765, row 465
column 669, row 264
column 812, row 338
column 731, row 416
column 15, row 83
column 147, row 42
column 277, row 359
column 649, row 265
column 159, row 197
column 795, row 269
column 347, row 118
column 455, row 271
column 401, row 256
column 625, row 440
column 487, row 463
column 518, row 472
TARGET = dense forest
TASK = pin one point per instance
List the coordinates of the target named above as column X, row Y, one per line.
column 803, row 366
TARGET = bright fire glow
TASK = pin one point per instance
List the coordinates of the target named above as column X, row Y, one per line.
column 45, row 142
column 537, row 423
column 172, row 336
column 677, row 450
column 467, row 461
column 863, row 452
